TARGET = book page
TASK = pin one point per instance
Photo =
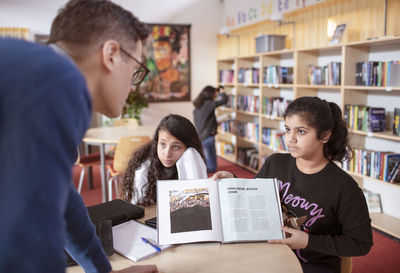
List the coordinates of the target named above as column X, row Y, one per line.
column 250, row 210
column 187, row 211
column 127, row 240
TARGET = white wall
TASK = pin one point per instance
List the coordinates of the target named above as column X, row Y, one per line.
column 203, row 15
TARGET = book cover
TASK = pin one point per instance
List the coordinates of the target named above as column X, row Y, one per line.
column 373, row 201
column 394, row 76
column 390, row 161
column 228, row 210
column 377, row 119
column 395, row 177
column 396, row 121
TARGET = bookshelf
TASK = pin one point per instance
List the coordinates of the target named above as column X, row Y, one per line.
column 341, row 88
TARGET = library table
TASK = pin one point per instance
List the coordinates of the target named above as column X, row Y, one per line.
column 100, row 136
column 214, row 257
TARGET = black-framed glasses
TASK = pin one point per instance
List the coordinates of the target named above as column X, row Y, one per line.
column 140, row 73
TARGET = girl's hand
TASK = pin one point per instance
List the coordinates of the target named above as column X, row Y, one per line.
column 297, row 240
column 222, row 174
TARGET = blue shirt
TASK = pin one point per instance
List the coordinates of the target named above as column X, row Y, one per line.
column 45, row 110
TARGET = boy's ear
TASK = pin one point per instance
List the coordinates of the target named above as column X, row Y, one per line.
column 110, row 54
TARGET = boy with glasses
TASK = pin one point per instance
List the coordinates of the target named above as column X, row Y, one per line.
column 47, row 95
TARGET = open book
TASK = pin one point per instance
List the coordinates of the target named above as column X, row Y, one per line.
column 228, row 210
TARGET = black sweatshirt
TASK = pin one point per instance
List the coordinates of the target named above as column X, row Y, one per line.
column 204, row 117
column 338, row 221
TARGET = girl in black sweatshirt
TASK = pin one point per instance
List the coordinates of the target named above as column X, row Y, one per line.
column 313, row 187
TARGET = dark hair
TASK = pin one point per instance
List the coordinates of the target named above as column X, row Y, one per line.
column 92, row 22
column 324, row 116
column 178, row 126
column 207, row 93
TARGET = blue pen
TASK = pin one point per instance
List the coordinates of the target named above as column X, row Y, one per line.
column 151, row 244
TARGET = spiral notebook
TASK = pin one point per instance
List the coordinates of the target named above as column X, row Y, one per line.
column 128, row 241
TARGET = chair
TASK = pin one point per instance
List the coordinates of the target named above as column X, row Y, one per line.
column 346, row 265
column 126, row 146
column 86, row 161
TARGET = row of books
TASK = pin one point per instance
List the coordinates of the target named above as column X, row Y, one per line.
column 230, row 102
column 274, row 106
column 226, row 75
column 248, row 103
column 278, row 74
column 15, row 32
column 375, row 164
column 365, row 118
column 248, row 157
column 396, row 121
column 225, row 148
column 324, row 75
column 248, row 75
column 227, row 126
column 378, row 73
column 248, row 130
column 275, row 139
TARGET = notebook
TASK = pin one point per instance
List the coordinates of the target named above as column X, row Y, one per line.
column 128, row 240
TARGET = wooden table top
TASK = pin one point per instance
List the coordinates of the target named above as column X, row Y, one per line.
column 214, row 257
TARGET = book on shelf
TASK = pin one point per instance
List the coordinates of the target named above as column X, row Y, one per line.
column 396, row 121
column 390, row 161
column 275, row 74
column 248, row 103
column 373, row 201
column 394, row 76
column 395, row 175
column 377, row 119
column 392, row 176
column 274, row 106
column 226, row 75
column 248, row 75
column 227, row 126
column 275, row 139
column 225, row 148
column 324, row 75
column 230, row 103
column 248, row 130
column 244, row 155
column 228, row 210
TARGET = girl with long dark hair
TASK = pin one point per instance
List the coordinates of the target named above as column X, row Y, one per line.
column 314, row 187
column 174, row 153
column 206, row 122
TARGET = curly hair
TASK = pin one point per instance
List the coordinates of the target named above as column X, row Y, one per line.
column 178, row 126
column 324, row 116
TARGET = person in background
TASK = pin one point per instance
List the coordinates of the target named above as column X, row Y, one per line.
column 174, row 153
column 312, row 185
column 47, row 95
column 206, row 122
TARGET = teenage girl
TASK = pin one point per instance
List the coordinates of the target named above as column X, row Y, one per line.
column 206, row 123
column 312, row 185
column 174, row 153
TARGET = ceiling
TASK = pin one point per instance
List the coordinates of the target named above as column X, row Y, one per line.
column 147, row 10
